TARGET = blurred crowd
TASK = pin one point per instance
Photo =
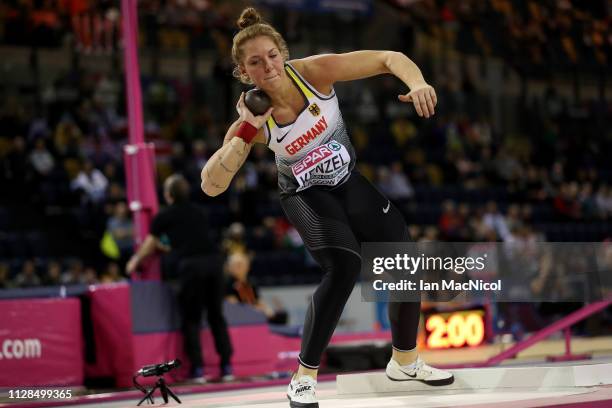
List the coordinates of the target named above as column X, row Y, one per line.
column 94, row 26
column 63, row 211
column 531, row 35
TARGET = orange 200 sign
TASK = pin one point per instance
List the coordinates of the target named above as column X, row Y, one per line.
column 455, row 329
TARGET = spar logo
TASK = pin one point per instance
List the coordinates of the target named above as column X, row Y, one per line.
column 19, row 349
column 313, row 158
column 335, row 146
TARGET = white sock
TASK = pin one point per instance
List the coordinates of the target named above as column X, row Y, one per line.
column 410, row 366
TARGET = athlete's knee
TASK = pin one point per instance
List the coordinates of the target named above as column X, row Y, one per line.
column 341, row 265
column 338, row 260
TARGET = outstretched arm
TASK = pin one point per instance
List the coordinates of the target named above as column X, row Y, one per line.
column 326, row 69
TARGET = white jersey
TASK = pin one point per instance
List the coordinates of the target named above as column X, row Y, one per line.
column 314, row 150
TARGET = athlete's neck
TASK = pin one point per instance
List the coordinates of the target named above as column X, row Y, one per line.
column 283, row 94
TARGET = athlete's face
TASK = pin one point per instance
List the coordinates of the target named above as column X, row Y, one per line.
column 263, row 63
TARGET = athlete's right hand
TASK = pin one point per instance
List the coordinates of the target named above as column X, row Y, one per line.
column 247, row 116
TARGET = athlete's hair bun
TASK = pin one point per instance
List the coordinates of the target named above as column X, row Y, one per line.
column 248, row 17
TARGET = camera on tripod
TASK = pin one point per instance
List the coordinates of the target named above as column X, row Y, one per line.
column 157, row 370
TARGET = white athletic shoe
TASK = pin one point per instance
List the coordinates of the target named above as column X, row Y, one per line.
column 418, row 371
column 301, row 392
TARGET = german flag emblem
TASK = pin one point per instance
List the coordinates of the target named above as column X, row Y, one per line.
column 314, row 109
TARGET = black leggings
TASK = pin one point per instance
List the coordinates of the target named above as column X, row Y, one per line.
column 333, row 224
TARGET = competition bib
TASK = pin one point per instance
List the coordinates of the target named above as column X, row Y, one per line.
column 324, row 166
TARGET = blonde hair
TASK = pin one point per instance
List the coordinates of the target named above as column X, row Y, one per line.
column 251, row 25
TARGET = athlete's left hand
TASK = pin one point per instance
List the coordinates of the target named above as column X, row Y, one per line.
column 424, row 98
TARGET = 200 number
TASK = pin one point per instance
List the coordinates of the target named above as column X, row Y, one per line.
column 457, row 331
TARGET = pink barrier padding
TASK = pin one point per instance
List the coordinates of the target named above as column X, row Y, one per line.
column 155, row 348
column 252, row 351
column 257, row 351
column 111, row 314
column 40, row 342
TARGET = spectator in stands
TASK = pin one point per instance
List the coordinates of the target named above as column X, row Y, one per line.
column 112, row 273
column 53, row 276
column 46, row 25
column 586, row 200
column 96, row 152
column 430, row 234
column 5, row 282
column 450, row 221
column 194, row 264
column 91, row 182
column 495, row 220
column 464, row 213
column 27, row 277
column 534, row 184
column 557, row 174
column 394, row 183
column 513, row 216
column 234, row 241
column 120, row 226
column 67, row 138
column 41, row 159
column 90, row 275
column 80, row 13
column 603, row 200
column 479, row 229
column 75, row 273
column 566, row 202
column 414, row 231
column 508, row 167
column 240, row 289
column 383, row 181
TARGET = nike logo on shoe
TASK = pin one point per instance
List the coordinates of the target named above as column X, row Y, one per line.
column 386, row 209
column 409, row 375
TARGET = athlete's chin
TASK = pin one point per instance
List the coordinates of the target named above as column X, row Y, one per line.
column 270, row 84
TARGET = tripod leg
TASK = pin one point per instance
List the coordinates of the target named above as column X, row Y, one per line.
column 149, row 396
column 164, row 393
column 173, row 395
